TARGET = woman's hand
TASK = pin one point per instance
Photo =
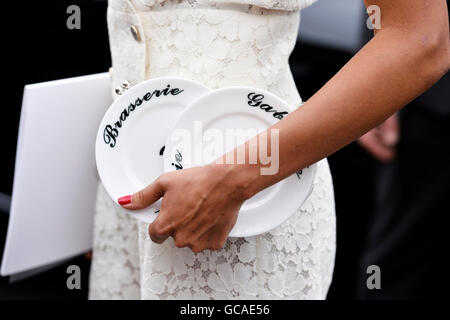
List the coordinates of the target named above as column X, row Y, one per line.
column 199, row 207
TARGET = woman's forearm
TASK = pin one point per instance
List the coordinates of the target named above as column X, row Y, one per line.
column 200, row 205
column 391, row 70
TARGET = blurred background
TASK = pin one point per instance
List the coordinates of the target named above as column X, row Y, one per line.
column 390, row 212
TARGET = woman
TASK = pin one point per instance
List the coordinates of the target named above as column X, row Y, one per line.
column 185, row 253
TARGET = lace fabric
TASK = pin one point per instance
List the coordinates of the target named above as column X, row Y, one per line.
column 143, row 5
column 231, row 44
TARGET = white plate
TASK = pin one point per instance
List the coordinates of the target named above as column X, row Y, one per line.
column 216, row 113
column 129, row 157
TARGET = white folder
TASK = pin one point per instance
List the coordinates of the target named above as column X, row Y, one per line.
column 55, row 179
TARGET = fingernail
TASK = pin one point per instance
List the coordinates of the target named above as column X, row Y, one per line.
column 124, row 200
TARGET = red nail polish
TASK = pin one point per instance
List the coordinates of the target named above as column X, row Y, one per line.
column 124, row 200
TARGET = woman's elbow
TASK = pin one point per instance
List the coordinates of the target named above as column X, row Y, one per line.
column 435, row 46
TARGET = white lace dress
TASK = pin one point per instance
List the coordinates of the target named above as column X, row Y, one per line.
column 219, row 43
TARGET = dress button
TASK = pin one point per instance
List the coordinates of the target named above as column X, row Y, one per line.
column 135, row 32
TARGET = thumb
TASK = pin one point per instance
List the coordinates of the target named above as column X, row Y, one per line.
column 144, row 197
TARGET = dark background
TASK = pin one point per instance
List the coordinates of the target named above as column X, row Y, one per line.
column 39, row 47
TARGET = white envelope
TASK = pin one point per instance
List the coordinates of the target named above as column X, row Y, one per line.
column 55, row 180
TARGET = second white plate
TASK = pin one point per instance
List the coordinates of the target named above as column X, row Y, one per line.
column 222, row 119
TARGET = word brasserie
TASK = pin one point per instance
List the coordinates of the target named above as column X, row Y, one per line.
column 111, row 131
